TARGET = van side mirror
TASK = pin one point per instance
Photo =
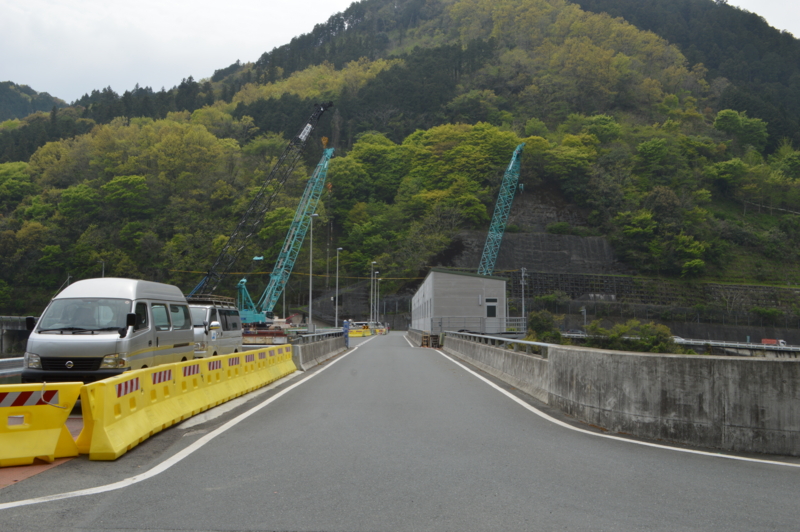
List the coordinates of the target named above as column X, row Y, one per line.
column 130, row 325
column 205, row 326
column 30, row 323
column 215, row 326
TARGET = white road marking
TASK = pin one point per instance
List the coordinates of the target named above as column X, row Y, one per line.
column 224, row 408
column 174, row 459
column 608, row 436
column 409, row 342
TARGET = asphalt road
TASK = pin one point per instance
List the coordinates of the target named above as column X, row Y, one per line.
column 390, row 438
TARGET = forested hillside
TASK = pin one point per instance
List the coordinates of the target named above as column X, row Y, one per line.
column 430, row 99
column 755, row 67
column 18, row 101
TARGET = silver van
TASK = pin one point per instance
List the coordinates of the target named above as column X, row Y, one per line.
column 98, row 328
column 217, row 325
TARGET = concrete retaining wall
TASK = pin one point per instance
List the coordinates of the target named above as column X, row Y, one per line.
column 730, row 403
column 307, row 355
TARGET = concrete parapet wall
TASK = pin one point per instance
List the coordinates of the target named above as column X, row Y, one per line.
column 415, row 336
column 731, row 403
column 307, row 355
column 528, row 373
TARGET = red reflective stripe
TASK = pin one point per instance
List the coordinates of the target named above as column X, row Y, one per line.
column 162, row 376
column 127, row 387
column 262, row 355
column 21, row 399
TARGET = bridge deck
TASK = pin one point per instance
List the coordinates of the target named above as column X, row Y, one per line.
column 389, row 437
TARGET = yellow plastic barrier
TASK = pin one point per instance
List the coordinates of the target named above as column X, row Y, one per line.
column 192, row 383
column 120, row 412
column 283, row 362
column 33, row 422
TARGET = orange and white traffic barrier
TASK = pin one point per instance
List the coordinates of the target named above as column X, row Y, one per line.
column 33, row 422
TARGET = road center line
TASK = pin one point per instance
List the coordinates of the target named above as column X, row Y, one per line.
column 608, row 436
column 177, row 457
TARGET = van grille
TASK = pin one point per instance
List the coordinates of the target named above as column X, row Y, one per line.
column 79, row 364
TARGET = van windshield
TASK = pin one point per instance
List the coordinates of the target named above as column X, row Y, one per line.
column 198, row 316
column 91, row 314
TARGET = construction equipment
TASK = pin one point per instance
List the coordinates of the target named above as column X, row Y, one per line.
column 253, row 217
column 508, row 189
column 258, row 312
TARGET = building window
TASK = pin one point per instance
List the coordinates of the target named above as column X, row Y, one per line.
column 491, row 311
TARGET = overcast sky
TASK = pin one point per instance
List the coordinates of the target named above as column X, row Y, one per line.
column 69, row 47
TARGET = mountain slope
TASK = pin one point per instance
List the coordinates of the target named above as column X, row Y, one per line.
column 761, row 64
column 18, row 101
column 615, row 122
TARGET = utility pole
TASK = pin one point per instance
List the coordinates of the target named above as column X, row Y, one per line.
column 523, row 282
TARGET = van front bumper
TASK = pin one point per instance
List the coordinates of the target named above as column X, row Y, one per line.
column 47, row 375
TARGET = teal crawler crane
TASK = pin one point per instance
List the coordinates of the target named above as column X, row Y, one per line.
column 258, row 312
column 508, row 189
column 253, row 218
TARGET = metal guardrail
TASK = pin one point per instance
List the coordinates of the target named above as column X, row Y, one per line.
column 525, row 346
column 317, row 337
column 484, row 325
column 10, row 366
column 715, row 343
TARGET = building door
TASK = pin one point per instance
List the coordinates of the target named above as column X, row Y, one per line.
column 493, row 322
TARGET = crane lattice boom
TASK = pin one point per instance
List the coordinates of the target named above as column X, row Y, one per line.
column 253, row 217
column 256, row 313
column 508, row 189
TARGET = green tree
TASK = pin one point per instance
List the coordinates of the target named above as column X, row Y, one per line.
column 128, row 196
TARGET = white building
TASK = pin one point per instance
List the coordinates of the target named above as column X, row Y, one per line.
column 451, row 301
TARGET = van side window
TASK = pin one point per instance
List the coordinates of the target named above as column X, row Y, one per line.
column 160, row 316
column 141, row 317
column 181, row 318
column 231, row 320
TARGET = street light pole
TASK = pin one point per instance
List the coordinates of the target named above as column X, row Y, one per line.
column 375, row 282
column 104, row 267
column 523, row 283
column 378, row 301
column 336, row 302
column 311, row 273
column 371, row 275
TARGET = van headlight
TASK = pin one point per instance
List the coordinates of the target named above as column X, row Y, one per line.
column 200, row 346
column 117, row 360
column 32, row 361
